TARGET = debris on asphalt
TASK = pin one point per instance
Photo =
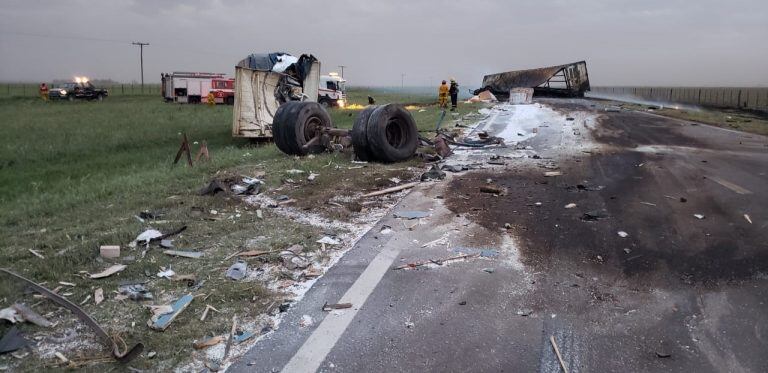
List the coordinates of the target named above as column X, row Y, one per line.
column 109, row 271
column 454, row 168
column 622, row 234
column 570, row 205
column 437, row 261
column 123, row 357
column 488, row 253
column 184, row 254
column 161, row 320
column 648, row 203
column 409, row 324
column 552, row 173
column 207, row 342
column 557, row 352
column 489, row 270
column 109, row 251
column 336, row 306
column 12, row 340
column 698, row 216
column 98, row 295
column 385, row 229
column 463, row 303
column 434, row 174
column 137, row 292
column 391, row 190
column 238, row 270
column 593, row 216
column 663, row 354
column 305, row 321
column 524, row 312
column 746, row 216
column 411, row 214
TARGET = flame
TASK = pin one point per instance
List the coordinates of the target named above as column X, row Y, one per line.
column 353, row 107
column 412, row 107
column 81, row 79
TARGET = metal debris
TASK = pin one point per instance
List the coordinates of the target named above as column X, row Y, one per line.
column 161, row 321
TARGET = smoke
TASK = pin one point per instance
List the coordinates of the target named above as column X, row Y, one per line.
column 642, row 101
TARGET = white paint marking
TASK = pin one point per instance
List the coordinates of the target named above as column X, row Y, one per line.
column 314, row 350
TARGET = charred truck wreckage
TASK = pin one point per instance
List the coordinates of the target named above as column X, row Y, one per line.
column 569, row 80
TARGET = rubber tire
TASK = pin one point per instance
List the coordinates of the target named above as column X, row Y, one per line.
column 290, row 123
column 385, row 125
column 360, row 135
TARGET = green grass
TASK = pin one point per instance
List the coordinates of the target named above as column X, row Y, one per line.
column 73, row 175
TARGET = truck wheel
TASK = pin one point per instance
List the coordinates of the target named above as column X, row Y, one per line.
column 360, row 135
column 230, row 100
column 296, row 123
column 392, row 134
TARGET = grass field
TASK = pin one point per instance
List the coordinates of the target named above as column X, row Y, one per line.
column 73, row 175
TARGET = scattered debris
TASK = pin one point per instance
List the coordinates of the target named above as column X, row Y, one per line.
column 622, row 234
column 146, row 237
column 137, row 292
column 166, row 244
column 489, row 270
column 570, row 205
column 488, row 253
column 436, row 261
column 552, row 173
column 593, row 216
column 312, row 176
column 327, row 240
column 109, row 251
column 166, row 273
column 161, row 321
column 243, row 336
column 122, row 357
column 492, row 189
column 557, row 352
column 524, row 312
column 109, row 271
column 612, row 109
column 746, row 216
column 12, row 341
column 454, row 168
column 238, row 270
column 663, row 354
column 213, row 187
column 336, row 306
column 411, row 214
column 391, row 190
column 36, row 253
column 305, row 321
column 409, row 324
column 24, row 313
column 98, row 295
column 184, row 254
column 385, row 229
column 434, row 174
column 648, row 203
column 207, row 342
column 205, row 312
column 698, row 216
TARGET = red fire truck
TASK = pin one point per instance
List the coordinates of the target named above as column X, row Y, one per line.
column 193, row 88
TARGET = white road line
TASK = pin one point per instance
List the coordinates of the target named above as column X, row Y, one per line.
column 314, row 350
column 729, row 185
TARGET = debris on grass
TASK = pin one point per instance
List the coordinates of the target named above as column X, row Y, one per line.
column 137, row 292
column 19, row 312
column 238, row 270
column 109, row 251
column 184, row 254
column 243, row 336
column 166, row 273
column 391, row 190
column 208, row 342
column 165, row 315
column 208, row 307
column 12, row 340
column 98, row 295
column 36, row 253
column 327, row 240
column 109, row 271
column 145, row 237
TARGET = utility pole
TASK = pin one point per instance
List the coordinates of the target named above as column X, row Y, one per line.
column 141, row 59
column 402, row 81
column 342, row 70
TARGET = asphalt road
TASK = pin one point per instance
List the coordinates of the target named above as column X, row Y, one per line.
column 677, row 293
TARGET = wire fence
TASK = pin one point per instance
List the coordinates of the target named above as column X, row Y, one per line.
column 33, row 90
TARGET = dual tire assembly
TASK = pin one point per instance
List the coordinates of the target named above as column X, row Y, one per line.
column 381, row 133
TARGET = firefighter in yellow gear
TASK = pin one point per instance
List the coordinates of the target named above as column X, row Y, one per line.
column 211, row 99
column 44, row 91
column 442, row 95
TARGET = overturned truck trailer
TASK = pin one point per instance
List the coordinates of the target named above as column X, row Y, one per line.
column 569, row 80
column 263, row 82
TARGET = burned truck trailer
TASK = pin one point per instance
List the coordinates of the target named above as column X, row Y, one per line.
column 569, row 80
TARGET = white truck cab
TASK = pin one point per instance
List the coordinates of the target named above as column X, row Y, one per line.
column 332, row 90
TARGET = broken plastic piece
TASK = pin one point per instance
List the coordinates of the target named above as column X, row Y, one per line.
column 109, row 271
column 161, row 322
column 238, row 270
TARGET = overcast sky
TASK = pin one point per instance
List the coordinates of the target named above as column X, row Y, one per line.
column 652, row 42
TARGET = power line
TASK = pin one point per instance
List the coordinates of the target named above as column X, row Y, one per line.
column 50, row 36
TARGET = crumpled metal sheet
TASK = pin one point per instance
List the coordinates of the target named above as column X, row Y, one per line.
column 501, row 83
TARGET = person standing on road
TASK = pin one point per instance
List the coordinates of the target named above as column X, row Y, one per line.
column 44, row 91
column 442, row 95
column 454, row 91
